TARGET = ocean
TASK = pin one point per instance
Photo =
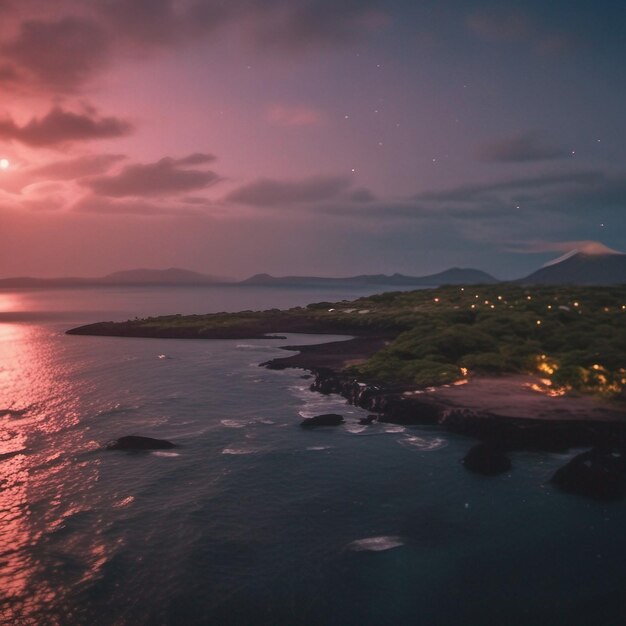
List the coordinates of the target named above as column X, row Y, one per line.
column 253, row 520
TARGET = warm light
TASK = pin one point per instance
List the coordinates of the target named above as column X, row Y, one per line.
column 4, row 164
column 436, row 299
column 538, row 322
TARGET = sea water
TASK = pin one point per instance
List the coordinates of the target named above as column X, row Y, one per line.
column 253, row 520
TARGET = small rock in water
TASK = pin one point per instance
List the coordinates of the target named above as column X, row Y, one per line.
column 326, row 419
column 487, row 459
column 370, row 419
column 133, row 442
column 597, row 474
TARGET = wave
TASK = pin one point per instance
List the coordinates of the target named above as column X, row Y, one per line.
column 240, row 451
column 424, row 444
column 242, row 423
column 160, row 453
column 376, row 544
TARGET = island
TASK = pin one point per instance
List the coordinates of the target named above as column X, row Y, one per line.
column 517, row 365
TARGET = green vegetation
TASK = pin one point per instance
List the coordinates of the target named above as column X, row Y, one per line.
column 573, row 337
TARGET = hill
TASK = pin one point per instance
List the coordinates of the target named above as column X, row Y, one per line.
column 582, row 268
column 453, row 276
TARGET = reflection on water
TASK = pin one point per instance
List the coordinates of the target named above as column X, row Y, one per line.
column 40, row 481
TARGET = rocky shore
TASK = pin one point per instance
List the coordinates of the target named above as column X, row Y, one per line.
column 511, row 411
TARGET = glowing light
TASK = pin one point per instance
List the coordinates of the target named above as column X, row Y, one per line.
column 5, row 164
column 538, row 322
column 464, row 371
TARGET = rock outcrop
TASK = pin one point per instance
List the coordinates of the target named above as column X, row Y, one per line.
column 487, row 459
column 598, row 473
column 326, row 419
column 133, row 442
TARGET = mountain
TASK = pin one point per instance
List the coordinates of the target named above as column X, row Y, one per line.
column 171, row 276
column 589, row 266
column 453, row 276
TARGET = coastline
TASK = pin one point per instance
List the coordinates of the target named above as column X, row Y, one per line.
column 514, row 411
column 451, row 356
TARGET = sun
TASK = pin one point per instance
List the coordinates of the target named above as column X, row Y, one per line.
column 4, row 164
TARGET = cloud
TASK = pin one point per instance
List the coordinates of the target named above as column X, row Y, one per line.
column 552, row 28
column 269, row 192
column 107, row 206
column 522, row 147
column 197, row 158
column 306, row 23
column 59, row 127
column 362, row 195
column 62, row 54
column 294, row 115
column 69, row 169
column 587, row 246
column 479, row 191
column 165, row 177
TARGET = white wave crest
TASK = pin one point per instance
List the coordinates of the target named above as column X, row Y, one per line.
column 424, row 444
column 376, row 544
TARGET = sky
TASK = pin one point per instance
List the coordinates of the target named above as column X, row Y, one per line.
column 328, row 137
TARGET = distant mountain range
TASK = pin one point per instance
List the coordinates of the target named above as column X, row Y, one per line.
column 171, row 276
column 593, row 264
column 175, row 276
column 453, row 276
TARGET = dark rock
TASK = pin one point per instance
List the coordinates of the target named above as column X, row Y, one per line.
column 370, row 419
column 132, row 442
column 327, row 419
column 598, row 473
column 407, row 411
column 487, row 459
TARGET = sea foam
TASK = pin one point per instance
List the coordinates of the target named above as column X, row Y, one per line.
column 376, row 544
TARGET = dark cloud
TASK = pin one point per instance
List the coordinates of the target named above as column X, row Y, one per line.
column 197, row 158
column 268, row 192
column 59, row 127
column 478, row 191
column 320, row 22
column 522, row 147
column 163, row 178
column 61, row 54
